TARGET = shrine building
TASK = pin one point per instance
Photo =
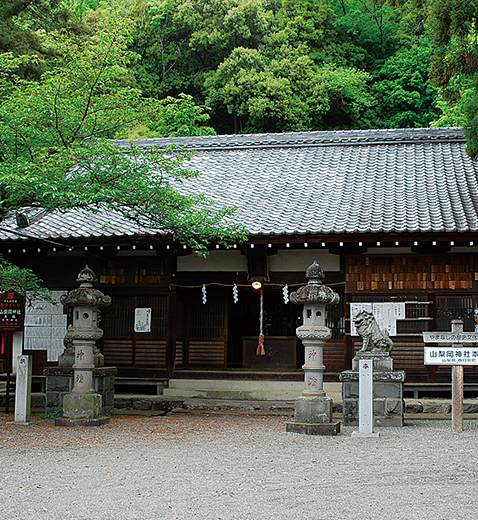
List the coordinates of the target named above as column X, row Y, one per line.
column 390, row 215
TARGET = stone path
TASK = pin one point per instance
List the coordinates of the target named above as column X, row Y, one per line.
column 219, row 465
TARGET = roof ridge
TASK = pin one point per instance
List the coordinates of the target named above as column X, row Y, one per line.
column 304, row 139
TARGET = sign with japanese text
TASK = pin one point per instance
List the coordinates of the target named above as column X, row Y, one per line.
column 450, row 356
column 450, row 337
column 45, row 326
column 386, row 315
column 12, row 311
column 142, row 319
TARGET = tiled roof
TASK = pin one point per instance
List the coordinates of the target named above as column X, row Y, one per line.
column 364, row 181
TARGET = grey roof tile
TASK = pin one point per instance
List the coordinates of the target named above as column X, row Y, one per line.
column 360, row 181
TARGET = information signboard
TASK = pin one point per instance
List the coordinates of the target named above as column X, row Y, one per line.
column 450, row 356
column 12, row 311
column 142, row 319
column 456, row 354
column 450, row 337
column 386, row 315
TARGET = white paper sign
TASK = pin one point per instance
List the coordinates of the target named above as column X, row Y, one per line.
column 386, row 315
column 45, row 326
column 142, row 319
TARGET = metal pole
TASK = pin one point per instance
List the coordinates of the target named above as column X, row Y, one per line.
column 457, row 398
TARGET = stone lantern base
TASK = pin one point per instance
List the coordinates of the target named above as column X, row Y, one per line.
column 82, row 410
column 61, row 421
column 313, row 416
column 59, row 383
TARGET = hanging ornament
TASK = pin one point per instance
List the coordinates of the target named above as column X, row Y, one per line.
column 204, row 294
column 261, row 351
column 235, row 293
column 285, row 293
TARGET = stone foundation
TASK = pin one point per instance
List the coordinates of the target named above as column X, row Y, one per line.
column 388, row 403
column 313, row 410
column 329, row 429
column 59, row 383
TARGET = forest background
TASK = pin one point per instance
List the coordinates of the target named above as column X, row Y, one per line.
column 235, row 66
column 77, row 74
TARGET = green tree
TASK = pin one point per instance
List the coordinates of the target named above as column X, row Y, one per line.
column 55, row 154
column 243, row 58
column 180, row 116
column 405, row 96
column 181, row 41
column 349, row 98
column 287, row 92
column 454, row 112
column 316, row 23
column 20, row 23
column 454, row 33
column 269, row 94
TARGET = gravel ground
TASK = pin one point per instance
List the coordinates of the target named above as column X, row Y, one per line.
column 235, row 466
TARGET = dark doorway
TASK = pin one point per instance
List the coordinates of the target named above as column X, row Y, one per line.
column 280, row 319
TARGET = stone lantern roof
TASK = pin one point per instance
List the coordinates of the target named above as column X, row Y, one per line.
column 315, row 291
column 86, row 294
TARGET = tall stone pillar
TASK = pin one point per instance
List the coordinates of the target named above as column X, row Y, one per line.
column 313, row 409
column 82, row 406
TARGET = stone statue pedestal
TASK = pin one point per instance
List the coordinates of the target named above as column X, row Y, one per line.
column 60, row 381
column 388, row 405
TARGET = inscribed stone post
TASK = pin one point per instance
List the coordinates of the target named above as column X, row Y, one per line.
column 23, row 390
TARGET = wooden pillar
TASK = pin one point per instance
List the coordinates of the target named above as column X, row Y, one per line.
column 171, row 333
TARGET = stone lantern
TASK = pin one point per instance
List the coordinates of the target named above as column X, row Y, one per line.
column 82, row 406
column 313, row 409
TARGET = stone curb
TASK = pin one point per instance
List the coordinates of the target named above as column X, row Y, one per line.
column 159, row 405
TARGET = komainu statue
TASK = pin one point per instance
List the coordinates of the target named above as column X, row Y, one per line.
column 367, row 327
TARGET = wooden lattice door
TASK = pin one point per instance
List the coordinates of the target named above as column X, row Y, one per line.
column 125, row 348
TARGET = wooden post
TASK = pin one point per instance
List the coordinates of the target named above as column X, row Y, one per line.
column 171, row 334
column 457, row 355
column 457, row 398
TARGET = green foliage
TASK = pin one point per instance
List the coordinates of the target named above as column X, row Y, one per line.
column 20, row 24
column 53, row 415
column 181, row 41
column 405, row 96
column 55, row 154
column 256, row 63
column 454, row 33
column 349, row 97
column 287, row 92
column 82, row 96
column 179, row 117
column 243, row 58
column 21, row 280
column 453, row 113
column 271, row 94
